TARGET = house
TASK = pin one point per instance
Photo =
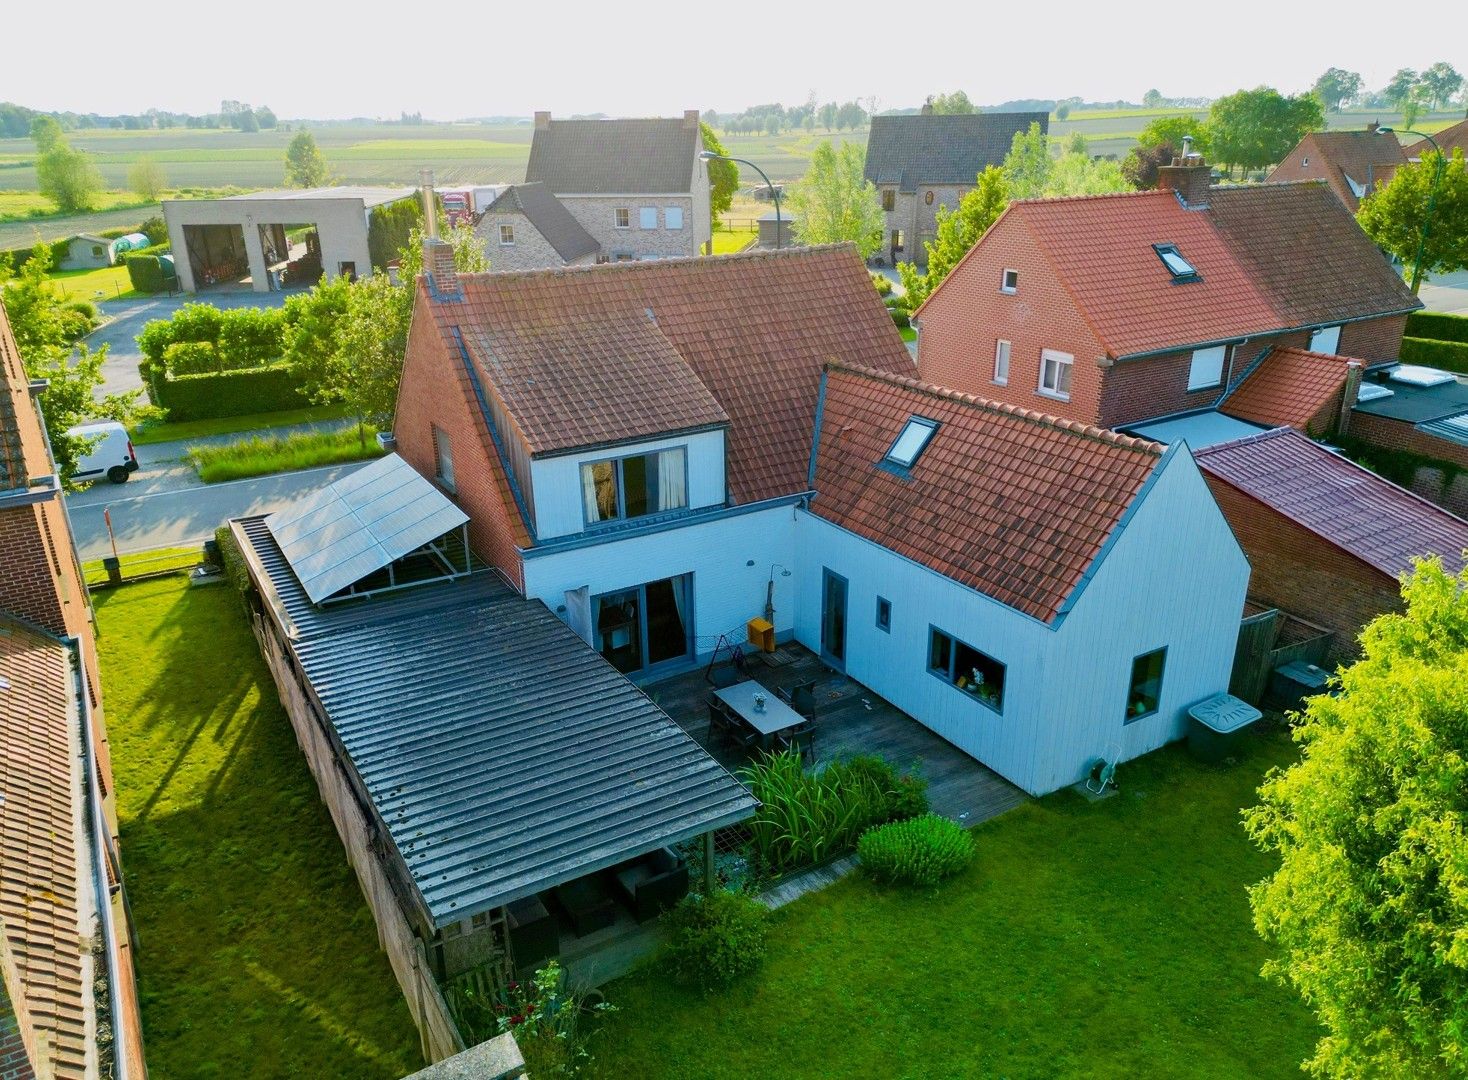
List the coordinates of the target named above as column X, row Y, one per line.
column 1326, row 539
column 637, row 187
column 663, row 453
column 922, row 163
column 474, row 752
column 1116, row 310
column 1421, row 413
column 1448, row 140
column 69, row 1005
column 1352, row 163
column 527, row 227
column 87, row 251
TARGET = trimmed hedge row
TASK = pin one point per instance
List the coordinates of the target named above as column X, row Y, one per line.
column 1438, row 325
column 229, row 393
column 1447, row 355
column 144, row 272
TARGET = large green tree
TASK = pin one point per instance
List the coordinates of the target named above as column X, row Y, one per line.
column 1369, row 906
column 1337, row 86
column 723, row 177
column 1402, row 84
column 305, row 165
column 956, row 103
column 1393, row 215
column 147, row 179
column 835, row 203
column 1440, row 82
column 1171, row 130
column 1255, row 128
column 64, row 174
column 1028, row 164
column 957, row 231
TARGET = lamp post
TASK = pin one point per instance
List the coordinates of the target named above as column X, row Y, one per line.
column 1437, row 179
column 709, row 155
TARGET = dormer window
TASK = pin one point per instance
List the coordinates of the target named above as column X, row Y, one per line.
column 634, row 486
column 910, row 444
column 1179, row 267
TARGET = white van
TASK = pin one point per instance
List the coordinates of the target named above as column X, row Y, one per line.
column 111, row 454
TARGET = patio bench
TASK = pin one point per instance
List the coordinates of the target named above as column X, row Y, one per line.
column 588, row 906
column 653, row 883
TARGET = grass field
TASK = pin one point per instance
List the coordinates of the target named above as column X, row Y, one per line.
column 159, row 560
column 264, row 455
column 257, row 955
column 111, row 282
column 29, row 205
column 1098, row 940
column 228, row 425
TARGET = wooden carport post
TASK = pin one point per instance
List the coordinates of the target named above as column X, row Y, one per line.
column 710, row 875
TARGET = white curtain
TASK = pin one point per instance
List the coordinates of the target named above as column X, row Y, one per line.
column 588, row 493
column 672, row 480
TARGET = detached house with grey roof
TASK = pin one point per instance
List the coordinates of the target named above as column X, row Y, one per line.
column 603, row 191
column 924, row 162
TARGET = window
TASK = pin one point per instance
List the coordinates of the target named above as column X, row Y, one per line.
column 1055, row 368
column 928, row 199
column 1146, row 685
column 622, row 217
column 97, row 252
column 673, row 217
column 507, row 235
column 1326, row 340
column 634, row 486
column 603, row 259
column 1009, row 281
column 1207, row 368
column 911, row 442
column 977, row 674
column 884, row 614
column 896, row 240
column 647, row 217
column 1001, row 362
column 1179, row 267
column 1305, row 162
column 624, row 256
column 889, row 200
column 443, row 458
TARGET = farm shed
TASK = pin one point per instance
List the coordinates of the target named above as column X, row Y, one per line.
column 87, row 251
column 251, row 238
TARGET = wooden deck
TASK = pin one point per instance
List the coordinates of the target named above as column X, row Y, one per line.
column 850, row 719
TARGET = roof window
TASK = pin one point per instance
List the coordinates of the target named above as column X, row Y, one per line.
column 1177, row 266
column 916, row 434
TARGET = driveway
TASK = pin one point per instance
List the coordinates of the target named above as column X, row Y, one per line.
column 1447, row 292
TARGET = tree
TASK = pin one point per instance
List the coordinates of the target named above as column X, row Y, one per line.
column 1142, row 164
column 1393, row 215
column 371, row 338
column 1077, row 174
column 246, row 121
column 1440, row 82
column 66, row 176
column 850, row 115
column 828, row 113
column 265, row 117
column 723, row 177
column 954, row 104
column 305, row 166
column 1077, row 143
column 1171, row 130
column 1336, row 87
column 146, row 179
column 1369, row 906
column 1256, row 128
column 1401, row 86
column 46, row 133
column 1062, row 110
column 1152, row 99
column 835, row 203
column 1027, row 165
column 957, row 231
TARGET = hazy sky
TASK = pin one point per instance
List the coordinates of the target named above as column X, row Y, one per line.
column 310, row 58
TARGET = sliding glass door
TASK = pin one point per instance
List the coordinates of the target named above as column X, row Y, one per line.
column 645, row 626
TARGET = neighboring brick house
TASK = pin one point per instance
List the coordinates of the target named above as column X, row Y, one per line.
column 60, row 876
column 1119, row 309
column 1352, row 163
column 924, row 162
column 637, row 187
column 1326, row 539
column 1448, row 140
column 527, row 228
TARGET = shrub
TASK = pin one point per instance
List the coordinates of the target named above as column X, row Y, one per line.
column 544, row 1014
column 715, row 939
column 84, row 308
column 1448, row 355
column 191, row 358
column 232, row 559
column 1438, row 325
column 229, row 393
column 251, row 337
column 900, row 317
column 264, row 455
column 919, row 851
column 883, row 284
column 904, row 795
column 192, row 322
column 145, row 272
column 155, row 229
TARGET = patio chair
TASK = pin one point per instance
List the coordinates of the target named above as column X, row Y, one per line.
column 652, row 884
column 801, row 697
column 722, row 723
column 802, row 737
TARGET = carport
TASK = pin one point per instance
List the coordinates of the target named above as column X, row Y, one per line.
column 237, row 240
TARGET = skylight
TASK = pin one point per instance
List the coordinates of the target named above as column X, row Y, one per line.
column 1177, row 266
column 914, row 439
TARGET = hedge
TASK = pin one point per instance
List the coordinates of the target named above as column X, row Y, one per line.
column 1447, row 355
column 229, row 393
column 145, row 272
column 1438, row 325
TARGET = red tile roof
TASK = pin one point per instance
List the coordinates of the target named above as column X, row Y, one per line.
column 753, row 330
column 1013, row 503
column 1366, row 157
column 1289, row 388
column 40, row 893
column 23, row 455
column 1383, row 525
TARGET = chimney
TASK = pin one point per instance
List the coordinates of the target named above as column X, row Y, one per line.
column 430, row 206
column 690, row 119
column 927, row 109
column 1371, row 127
column 542, row 121
column 438, row 254
column 1348, row 397
column 1189, row 176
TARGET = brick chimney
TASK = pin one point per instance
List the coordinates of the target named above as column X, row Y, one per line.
column 542, row 120
column 1348, row 397
column 438, row 264
column 1189, row 176
column 690, row 118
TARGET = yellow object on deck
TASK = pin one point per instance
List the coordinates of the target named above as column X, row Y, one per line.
column 762, row 634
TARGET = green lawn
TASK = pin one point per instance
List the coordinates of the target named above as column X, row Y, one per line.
column 111, row 282
column 28, row 205
column 908, row 333
column 264, row 455
column 158, row 560
column 228, row 425
column 257, row 955
column 728, row 241
column 1105, row 940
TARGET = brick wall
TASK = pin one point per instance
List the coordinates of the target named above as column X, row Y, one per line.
column 962, row 321
column 1446, row 488
column 1373, row 340
column 917, row 218
column 436, row 391
column 31, row 585
column 1294, row 569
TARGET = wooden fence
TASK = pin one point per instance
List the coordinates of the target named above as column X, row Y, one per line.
column 1268, row 639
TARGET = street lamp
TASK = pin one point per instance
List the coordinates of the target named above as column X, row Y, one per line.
column 1437, row 179
column 709, row 155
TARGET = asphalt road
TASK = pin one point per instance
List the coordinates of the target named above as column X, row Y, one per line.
column 1447, row 292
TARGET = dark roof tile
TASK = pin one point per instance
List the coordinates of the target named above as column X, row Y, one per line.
column 550, row 218
column 949, row 149
column 615, row 157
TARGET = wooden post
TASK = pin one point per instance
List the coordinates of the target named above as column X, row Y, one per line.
column 710, row 874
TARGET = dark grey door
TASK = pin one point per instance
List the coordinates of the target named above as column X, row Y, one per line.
column 833, row 620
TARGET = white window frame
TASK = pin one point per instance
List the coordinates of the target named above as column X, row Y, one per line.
column 1335, row 343
column 622, row 217
column 1004, row 283
column 668, row 212
column 1003, row 350
column 917, row 433
column 507, row 230
column 1211, row 377
column 643, row 213
column 1062, row 361
column 443, row 458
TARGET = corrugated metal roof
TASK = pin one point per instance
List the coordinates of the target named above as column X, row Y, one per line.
column 359, row 524
column 503, row 754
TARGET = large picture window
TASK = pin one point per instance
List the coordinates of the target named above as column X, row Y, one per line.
column 1145, row 690
column 977, row 674
column 635, row 486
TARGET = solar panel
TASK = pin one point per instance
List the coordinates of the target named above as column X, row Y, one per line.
column 359, row 524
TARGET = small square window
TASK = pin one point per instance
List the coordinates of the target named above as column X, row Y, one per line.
column 622, row 217
column 647, row 217
column 1055, row 369
column 673, row 217
column 884, row 614
column 507, row 235
column 1206, row 370
column 1145, row 690
column 911, row 442
column 1009, row 281
column 1001, row 362
column 889, row 200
